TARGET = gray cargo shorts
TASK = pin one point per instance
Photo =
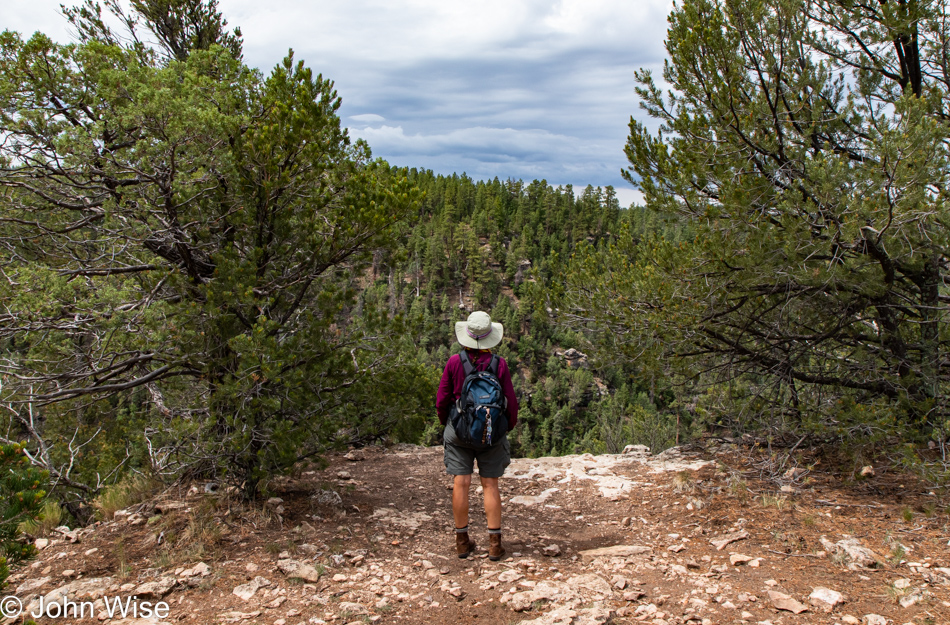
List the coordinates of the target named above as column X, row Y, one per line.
column 460, row 460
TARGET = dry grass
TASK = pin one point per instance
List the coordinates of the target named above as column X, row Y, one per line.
column 738, row 488
column 683, row 482
column 128, row 492
column 50, row 516
column 774, row 500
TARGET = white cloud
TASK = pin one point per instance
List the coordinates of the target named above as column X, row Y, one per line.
column 524, row 88
column 368, row 118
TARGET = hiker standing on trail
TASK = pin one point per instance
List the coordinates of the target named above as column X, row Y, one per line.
column 477, row 405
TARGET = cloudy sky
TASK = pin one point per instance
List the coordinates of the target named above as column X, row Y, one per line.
column 532, row 89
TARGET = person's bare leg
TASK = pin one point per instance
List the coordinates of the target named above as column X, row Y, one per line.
column 464, row 545
column 460, row 500
column 492, row 502
column 493, row 516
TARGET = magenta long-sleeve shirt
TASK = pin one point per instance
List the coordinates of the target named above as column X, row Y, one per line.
column 450, row 387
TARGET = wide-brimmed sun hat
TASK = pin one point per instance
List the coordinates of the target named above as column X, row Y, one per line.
column 479, row 332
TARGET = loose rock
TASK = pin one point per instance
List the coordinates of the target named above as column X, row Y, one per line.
column 297, row 569
column 825, row 598
column 156, row 589
column 721, row 542
column 856, row 554
column 32, row 585
column 617, row 551
column 781, row 601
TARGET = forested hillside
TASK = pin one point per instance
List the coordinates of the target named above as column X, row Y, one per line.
column 502, row 247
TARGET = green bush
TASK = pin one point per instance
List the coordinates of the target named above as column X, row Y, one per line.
column 22, row 490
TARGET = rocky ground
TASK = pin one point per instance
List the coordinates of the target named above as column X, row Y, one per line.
column 725, row 535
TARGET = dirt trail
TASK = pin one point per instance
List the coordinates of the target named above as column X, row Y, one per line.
column 684, row 537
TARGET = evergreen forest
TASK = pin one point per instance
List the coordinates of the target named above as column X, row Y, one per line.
column 204, row 276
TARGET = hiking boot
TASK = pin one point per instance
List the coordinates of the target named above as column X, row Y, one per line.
column 463, row 544
column 495, row 551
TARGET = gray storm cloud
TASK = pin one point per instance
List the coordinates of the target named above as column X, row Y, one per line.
column 529, row 89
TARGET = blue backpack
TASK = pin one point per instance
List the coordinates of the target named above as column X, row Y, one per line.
column 479, row 419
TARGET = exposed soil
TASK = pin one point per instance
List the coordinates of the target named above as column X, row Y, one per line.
column 386, row 547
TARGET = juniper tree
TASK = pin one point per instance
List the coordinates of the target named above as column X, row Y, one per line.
column 803, row 143
column 177, row 224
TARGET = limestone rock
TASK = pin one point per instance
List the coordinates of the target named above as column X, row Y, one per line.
column 721, row 542
column 455, row 591
column 593, row 616
column 781, row 601
column 400, row 518
column 552, row 551
column 83, row 589
column 574, row 358
column 352, row 609
column 825, row 598
column 856, row 554
column 592, row 583
column 327, row 497
column 911, row 600
column 32, row 585
column 201, row 569
column 73, row 536
column 92, row 589
column 738, row 559
column 235, row 617
column 875, row 619
column 301, row 570
column 529, row 500
column 510, row 576
column 170, row 506
column 679, row 569
column 156, row 589
column 355, row 456
column 617, row 551
column 248, row 590
column 545, row 591
column 41, row 543
column 559, row 616
column 636, row 450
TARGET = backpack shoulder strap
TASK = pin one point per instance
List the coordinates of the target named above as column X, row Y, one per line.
column 493, row 365
column 467, row 366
